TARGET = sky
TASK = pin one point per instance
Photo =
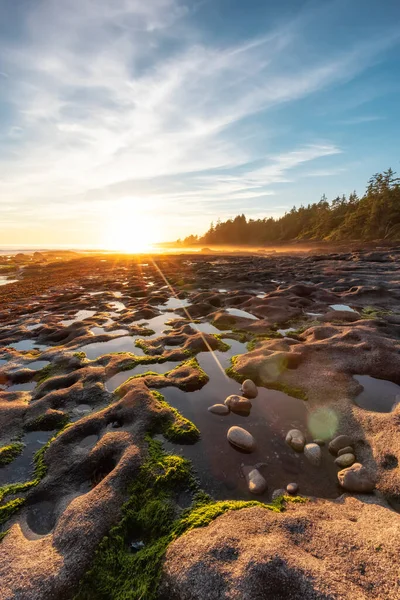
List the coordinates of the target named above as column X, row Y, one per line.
column 130, row 120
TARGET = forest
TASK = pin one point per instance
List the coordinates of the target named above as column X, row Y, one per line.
column 374, row 216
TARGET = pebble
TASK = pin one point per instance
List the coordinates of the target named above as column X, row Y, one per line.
column 296, row 439
column 241, row 438
column 313, row 453
column 356, row 479
column 292, row 488
column 136, row 546
column 345, row 460
column 319, row 442
column 255, row 481
column 249, row 389
column 339, row 442
column 238, row 403
column 219, row 409
column 347, row 450
column 277, row 493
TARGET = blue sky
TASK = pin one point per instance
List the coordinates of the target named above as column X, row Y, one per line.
column 119, row 117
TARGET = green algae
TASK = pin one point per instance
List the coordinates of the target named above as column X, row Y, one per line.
column 10, row 452
column 42, row 423
column 7, row 510
column 271, row 385
column 11, row 507
column 150, row 515
column 176, row 428
column 47, row 372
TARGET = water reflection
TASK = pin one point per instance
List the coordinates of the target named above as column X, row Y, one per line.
column 378, row 395
column 273, row 414
column 120, row 344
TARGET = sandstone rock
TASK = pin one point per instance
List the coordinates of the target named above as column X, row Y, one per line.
column 296, row 439
column 241, row 438
column 255, row 481
column 219, row 409
column 238, row 403
column 346, row 450
column 292, row 488
column 313, row 453
column 345, row 460
column 258, row 554
column 249, row 389
column 356, row 479
column 339, row 442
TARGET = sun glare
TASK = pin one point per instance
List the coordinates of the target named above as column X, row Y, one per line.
column 130, row 230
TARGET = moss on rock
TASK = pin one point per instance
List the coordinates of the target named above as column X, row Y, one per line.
column 150, row 516
column 10, row 452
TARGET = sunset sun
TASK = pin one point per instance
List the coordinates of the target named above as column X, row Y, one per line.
column 130, row 230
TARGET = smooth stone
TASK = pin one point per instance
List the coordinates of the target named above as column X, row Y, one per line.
column 319, row 442
column 255, row 481
column 356, row 479
column 347, row 450
column 345, row 460
column 313, row 453
column 219, row 409
column 339, row 442
column 277, row 493
column 292, row 488
column 238, row 403
column 249, row 388
column 241, row 438
column 296, row 439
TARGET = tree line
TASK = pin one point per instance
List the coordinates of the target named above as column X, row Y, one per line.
column 374, row 216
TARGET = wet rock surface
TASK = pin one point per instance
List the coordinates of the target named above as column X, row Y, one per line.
column 85, row 340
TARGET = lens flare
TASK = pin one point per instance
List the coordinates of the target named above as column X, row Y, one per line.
column 323, row 423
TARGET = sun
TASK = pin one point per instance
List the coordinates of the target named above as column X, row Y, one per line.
column 131, row 230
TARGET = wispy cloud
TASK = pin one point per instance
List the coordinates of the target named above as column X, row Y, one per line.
column 112, row 98
column 360, row 119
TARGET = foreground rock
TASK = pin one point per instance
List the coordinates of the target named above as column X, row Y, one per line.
column 238, row 403
column 313, row 453
column 345, row 460
column 356, row 479
column 255, row 481
column 315, row 551
column 219, row 409
column 241, row 438
column 295, row 438
column 339, row 442
column 249, row 389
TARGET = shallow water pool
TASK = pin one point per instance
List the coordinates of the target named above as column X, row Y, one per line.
column 378, row 395
column 119, row 344
column 80, row 316
column 22, row 468
column 218, row 464
column 344, row 307
column 26, row 345
column 236, row 312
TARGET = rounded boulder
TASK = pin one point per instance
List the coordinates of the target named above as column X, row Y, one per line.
column 356, row 479
column 249, row 389
column 296, row 439
column 313, row 454
column 241, row 438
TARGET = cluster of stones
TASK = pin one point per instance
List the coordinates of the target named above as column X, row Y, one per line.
column 353, row 477
column 240, row 437
column 235, row 403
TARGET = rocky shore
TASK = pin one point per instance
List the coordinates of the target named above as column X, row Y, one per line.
column 197, row 426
